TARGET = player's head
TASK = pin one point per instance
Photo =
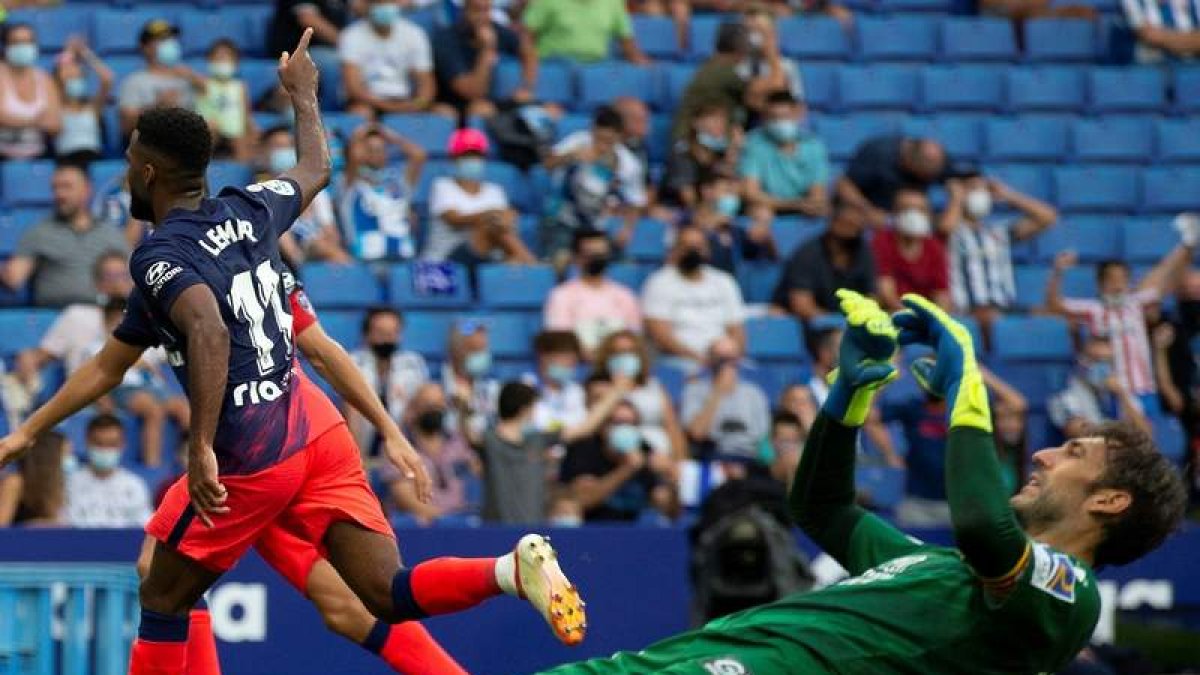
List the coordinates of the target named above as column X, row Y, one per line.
column 1112, row 278
column 516, row 402
column 168, row 155
column 558, row 354
column 1111, row 487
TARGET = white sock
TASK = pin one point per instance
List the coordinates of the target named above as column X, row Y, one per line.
column 506, row 573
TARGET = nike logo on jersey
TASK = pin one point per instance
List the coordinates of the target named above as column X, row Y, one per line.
column 225, row 235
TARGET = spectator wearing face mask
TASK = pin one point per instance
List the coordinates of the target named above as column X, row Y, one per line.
column 764, row 41
column 712, row 143
column 721, row 410
column 516, row 458
column 981, row 272
column 80, row 140
column 838, row 258
column 560, row 401
column 165, row 81
column 592, row 305
column 884, row 165
column 448, row 460
column 30, row 106
column 472, row 219
column 392, row 373
column 635, row 132
column 908, row 258
column 1120, row 312
column 102, row 493
column 564, row 510
column 224, row 101
column 782, row 447
column 387, row 63
column 718, row 83
column 624, row 355
column 1095, row 394
column 785, row 167
column 376, row 203
column 467, row 378
column 689, row 305
column 715, row 215
column 315, row 235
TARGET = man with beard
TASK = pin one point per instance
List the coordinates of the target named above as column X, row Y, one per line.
column 838, row 258
column 1015, row 595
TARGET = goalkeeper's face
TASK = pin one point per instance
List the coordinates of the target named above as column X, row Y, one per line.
column 1062, row 483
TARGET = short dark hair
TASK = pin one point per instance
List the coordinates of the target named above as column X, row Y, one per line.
column 556, row 342
column 823, row 338
column 104, row 421
column 179, row 134
column 733, row 37
column 1158, row 496
column 584, row 234
column 515, row 397
column 781, row 97
column 110, row 254
column 13, row 27
column 709, row 175
column 224, row 42
column 380, row 310
column 1104, row 265
column 607, row 117
column 277, row 129
column 73, row 165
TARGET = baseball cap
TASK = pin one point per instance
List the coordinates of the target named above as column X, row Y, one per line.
column 464, row 141
column 156, row 29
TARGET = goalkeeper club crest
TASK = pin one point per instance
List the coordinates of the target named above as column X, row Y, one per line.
column 1054, row 573
column 726, row 665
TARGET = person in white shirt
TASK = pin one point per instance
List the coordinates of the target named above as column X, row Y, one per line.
column 103, row 494
column 393, row 374
column 387, row 63
column 689, row 305
column 561, row 401
column 472, row 219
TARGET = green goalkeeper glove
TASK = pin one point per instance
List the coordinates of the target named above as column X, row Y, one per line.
column 863, row 359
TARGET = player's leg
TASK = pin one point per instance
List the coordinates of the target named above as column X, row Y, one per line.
column 173, row 585
column 201, row 643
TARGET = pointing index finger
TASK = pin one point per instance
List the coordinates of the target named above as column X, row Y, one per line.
column 302, row 46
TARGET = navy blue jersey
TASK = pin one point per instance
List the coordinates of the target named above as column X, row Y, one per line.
column 230, row 244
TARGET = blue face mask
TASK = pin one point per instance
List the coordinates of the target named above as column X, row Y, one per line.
column 783, row 131
column 470, row 168
column 717, row 144
column 222, row 70
column 566, row 521
column 384, row 15
column 21, row 55
column 563, row 375
column 282, row 159
column 729, row 205
column 76, row 88
column 629, row 365
column 70, row 462
column 1098, row 373
column 104, row 459
column 477, row 364
column 624, row 438
column 168, row 52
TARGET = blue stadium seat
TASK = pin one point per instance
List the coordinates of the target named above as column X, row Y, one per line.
column 430, row 131
column 930, row 6
column 199, row 29
column 1100, row 188
column 878, row 87
column 341, row 286
column 1170, row 189
column 1147, row 240
column 1037, row 381
column 820, row 85
column 1112, row 139
column 515, row 186
column 897, row 38
column 225, row 172
column 23, row 328
column 555, row 83
column 571, row 123
column 1027, row 138
column 449, row 287
column 977, row 39
column 1127, row 89
column 775, row 338
column 790, row 233
column 26, row 183
column 54, row 25
column 256, row 20
column 843, row 134
column 261, row 76
column 514, row 286
column 962, row 135
column 13, row 225
column 1032, row 180
column 675, row 79
column 510, row 334
column 1178, row 140
column 600, row 83
column 648, row 243
column 1060, row 40
column 342, row 123
column 758, row 281
column 813, row 37
column 1032, row 338
column 426, row 333
column 882, row 486
column 962, row 87
column 631, row 275
column 1093, row 238
column 656, row 36
column 1187, row 88
column 1046, row 88
column 1030, row 283
column 1169, row 436
column 344, row 326
column 702, row 35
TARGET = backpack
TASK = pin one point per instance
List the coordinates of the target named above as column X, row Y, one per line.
column 522, row 133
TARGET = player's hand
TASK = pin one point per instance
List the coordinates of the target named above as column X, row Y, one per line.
column 297, row 72
column 13, row 447
column 402, row 456
column 1065, row 260
column 204, row 487
column 863, row 359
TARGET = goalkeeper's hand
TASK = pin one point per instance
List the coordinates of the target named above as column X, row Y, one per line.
column 954, row 374
column 863, row 359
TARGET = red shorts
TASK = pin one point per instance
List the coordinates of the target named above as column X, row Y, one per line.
column 301, row 496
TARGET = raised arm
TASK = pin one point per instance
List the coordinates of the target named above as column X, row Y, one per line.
column 985, row 528
column 299, row 76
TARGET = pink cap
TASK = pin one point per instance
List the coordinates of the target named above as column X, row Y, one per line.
column 468, row 140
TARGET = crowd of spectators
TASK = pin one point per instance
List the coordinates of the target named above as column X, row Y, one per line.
column 637, row 401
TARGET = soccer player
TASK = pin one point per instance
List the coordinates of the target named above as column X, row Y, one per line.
column 1017, row 594
column 266, row 448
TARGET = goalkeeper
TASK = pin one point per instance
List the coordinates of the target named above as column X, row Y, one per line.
column 1016, row 595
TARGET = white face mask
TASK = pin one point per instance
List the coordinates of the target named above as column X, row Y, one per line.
column 913, row 223
column 979, row 203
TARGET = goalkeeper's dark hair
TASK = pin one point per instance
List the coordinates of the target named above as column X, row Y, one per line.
column 1158, row 498
column 179, row 135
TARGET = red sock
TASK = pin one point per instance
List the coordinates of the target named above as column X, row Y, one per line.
column 411, row 650
column 158, row 658
column 445, row 585
column 201, row 645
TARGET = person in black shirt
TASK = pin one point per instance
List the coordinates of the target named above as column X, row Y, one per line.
column 465, row 55
column 325, row 17
column 884, row 165
column 838, row 258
